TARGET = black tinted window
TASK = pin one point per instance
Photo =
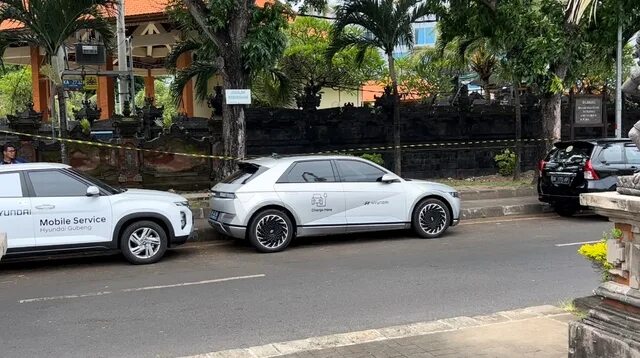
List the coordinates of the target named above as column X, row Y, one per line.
column 355, row 171
column 10, row 186
column 245, row 173
column 312, row 171
column 55, row 183
column 633, row 154
column 611, row 153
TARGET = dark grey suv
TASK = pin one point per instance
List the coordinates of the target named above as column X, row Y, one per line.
column 584, row 166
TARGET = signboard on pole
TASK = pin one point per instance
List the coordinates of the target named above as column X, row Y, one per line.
column 587, row 111
column 238, row 96
column 90, row 83
column 72, row 84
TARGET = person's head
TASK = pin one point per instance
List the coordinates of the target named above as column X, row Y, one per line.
column 9, row 152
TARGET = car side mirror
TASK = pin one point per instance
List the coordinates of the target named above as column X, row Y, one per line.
column 93, row 191
column 388, row 178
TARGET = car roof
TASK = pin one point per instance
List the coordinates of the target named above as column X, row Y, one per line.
column 31, row 166
column 274, row 160
column 595, row 140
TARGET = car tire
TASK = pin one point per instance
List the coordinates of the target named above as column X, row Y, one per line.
column 143, row 242
column 271, row 231
column 566, row 210
column 431, row 218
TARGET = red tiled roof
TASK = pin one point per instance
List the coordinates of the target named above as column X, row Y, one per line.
column 131, row 8
column 144, row 7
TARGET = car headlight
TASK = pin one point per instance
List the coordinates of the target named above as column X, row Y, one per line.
column 455, row 194
column 182, row 203
column 223, row 195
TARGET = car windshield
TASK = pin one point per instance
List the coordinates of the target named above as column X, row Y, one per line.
column 572, row 152
column 96, row 182
column 245, row 173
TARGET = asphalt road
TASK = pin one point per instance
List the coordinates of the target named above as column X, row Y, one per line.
column 222, row 295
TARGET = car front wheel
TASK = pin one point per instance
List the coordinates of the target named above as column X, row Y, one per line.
column 143, row 242
column 431, row 218
column 271, row 231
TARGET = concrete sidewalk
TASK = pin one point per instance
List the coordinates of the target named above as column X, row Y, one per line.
column 540, row 331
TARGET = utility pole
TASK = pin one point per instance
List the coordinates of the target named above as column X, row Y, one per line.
column 618, row 82
column 123, row 80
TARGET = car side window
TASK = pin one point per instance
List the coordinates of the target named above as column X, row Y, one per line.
column 52, row 183
column 353, row 171
column 10, row 185
column 633, row 154
column 310, row 171
column 611, row 153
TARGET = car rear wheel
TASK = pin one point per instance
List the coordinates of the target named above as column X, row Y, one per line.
column 271, row 231
column 143, row 242
column 431, row 218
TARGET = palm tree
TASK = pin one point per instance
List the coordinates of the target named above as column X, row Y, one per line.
column 387, row 24
column 484, row 63
column 48, row 25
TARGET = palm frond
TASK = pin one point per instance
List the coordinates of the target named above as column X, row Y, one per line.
column 180, row 48
column 202, row 71
column 576, row 9
column 273, row 89
column 50, row 23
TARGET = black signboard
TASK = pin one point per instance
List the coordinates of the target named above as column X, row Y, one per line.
column 587, row 111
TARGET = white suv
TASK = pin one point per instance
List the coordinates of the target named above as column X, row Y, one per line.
column 47, row 207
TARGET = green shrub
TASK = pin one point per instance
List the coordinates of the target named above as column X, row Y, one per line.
column 86, row 126
column 506, row 162
column 374, row 157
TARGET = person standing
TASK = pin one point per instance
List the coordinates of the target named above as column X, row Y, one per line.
column 9, row 155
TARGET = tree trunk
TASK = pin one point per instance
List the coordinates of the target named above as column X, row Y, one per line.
column 62, row 110
column 397, row 152
column 516, row 88
column 551, row 113
column 233, row 117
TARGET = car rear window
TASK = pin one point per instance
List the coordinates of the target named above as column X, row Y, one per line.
column 566, row 152
column 245, row 173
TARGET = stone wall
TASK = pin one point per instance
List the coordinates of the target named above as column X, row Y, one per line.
column 451, row 133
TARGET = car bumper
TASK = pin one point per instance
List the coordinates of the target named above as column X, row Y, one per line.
column 179, row 240
column 238, row 232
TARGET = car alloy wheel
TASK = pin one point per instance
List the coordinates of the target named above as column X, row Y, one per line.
column 144, row 243
column 431, row 218
column 272, row 231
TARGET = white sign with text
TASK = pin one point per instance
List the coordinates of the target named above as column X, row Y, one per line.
column 238, row 96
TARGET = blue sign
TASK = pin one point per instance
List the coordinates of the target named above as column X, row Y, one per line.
column 72, row 84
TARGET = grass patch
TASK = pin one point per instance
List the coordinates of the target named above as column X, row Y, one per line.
column 568, row 306
column 465, row 183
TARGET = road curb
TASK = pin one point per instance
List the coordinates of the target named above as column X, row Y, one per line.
column 498, row 193
column 393, row 332
column 505, row 210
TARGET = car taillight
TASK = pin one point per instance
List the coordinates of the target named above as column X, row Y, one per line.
column 589, row 172
column 541, row 167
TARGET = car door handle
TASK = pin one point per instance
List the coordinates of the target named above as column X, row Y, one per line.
column 46, row 207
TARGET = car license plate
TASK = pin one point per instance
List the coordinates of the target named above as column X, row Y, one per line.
column 561, row 179
column 214, row 215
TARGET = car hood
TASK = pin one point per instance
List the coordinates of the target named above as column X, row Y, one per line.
column 153, row 195
column 429, row 185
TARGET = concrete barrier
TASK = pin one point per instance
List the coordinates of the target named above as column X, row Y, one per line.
column 3, row 244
